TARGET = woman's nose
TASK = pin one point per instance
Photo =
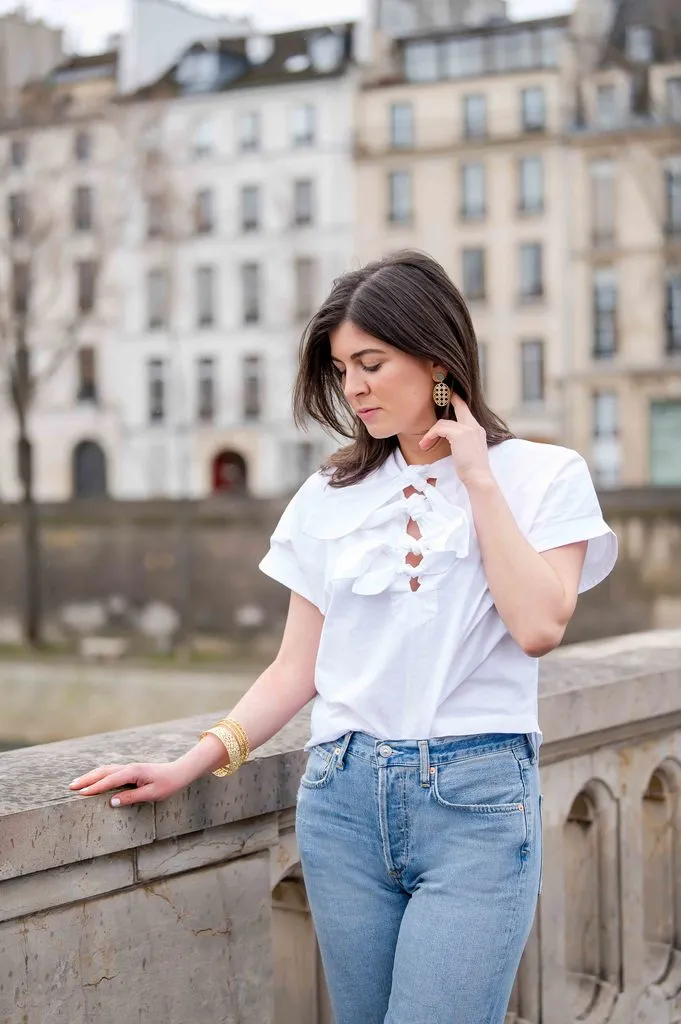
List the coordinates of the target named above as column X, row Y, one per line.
column 354, row 385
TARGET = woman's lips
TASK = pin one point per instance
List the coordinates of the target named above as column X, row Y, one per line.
column 366, row 414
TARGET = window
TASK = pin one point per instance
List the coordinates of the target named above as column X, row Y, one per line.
column 252, row 381
column 250, row 208
column 532, row 371
column 399, row 197
column 305, row 281
column 304, row 125
column 250, row 284
column 155, row 216
column 18, row 152
column 82, row 208
column 205, row 380
column 473, row 191
column 475, row 116
column 401, row 125
column 665, row 450
column 157, row 299
column 205, row 211
column 673, row 91
column 86, row 271
column 533, row 109
column 602, row 201
column 156, row 389
column 673, row 197
column 605, row 314
column 17, row 205
column 205, row 296
column 82, row 147
column 464, row 57
column 87, row 381
column 21, row 288
column 606, row 453
column 483, row 364
column 531, row 184
column 673, row 312
column 531, row 270
column 606, row 106
column 605, row 414
column 474, row 273
column 203, row 140
column 421, row 62
column 303, row 203
column 639, row 43
column 249, row 132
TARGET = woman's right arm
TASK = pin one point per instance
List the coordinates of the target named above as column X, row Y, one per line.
column 274, row 699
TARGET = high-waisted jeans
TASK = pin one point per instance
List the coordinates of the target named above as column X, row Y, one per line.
column 422, row 862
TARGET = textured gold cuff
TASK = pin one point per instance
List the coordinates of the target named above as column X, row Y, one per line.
column 231, row 745
column 241, row 735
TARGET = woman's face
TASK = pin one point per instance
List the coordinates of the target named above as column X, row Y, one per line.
column 390, row 392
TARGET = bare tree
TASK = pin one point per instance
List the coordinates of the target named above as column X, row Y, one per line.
column 47, row 303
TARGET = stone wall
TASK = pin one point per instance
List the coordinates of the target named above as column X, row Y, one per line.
column 110, row 560
column 194, row 910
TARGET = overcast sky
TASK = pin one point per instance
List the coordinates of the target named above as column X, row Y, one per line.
column 89, row 22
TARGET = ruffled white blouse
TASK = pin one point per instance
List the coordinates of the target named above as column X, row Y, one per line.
column 412, row 646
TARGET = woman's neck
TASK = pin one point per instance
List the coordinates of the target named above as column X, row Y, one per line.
column 414, row 455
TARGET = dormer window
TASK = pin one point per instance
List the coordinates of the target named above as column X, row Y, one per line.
column 639, row 43
column 199, row 71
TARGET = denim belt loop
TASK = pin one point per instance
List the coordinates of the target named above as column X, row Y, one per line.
column 342, row 750
column 425, row 763
column 532, row 740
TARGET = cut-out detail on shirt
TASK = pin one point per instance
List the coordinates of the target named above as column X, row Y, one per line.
column 414, row 558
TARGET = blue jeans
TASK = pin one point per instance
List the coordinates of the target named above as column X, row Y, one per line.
column 422, row 862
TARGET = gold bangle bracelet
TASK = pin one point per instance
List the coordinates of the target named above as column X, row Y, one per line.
column 231, row 745
column 240, row 733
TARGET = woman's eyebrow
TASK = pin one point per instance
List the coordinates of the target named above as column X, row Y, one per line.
column 358, row 355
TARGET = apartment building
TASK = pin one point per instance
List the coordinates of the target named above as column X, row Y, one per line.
column 63, row 221
column 625, row 212
column 241, row 199
column 460, row 153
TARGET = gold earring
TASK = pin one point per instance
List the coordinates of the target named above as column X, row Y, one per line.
column 442, row 394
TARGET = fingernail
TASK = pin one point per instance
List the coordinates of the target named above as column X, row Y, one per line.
column 115, row 801
column 74, row 783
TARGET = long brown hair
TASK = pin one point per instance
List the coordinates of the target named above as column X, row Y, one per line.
column 405, row 300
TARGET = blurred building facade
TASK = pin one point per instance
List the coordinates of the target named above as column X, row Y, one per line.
column 540, row 162
column 460, row 153
column 168, row 243
column 624, row 159
column 242, row 212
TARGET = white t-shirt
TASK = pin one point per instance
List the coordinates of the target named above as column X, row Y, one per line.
column 438, row 661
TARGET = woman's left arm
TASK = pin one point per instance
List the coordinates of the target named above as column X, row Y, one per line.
column 535, row 594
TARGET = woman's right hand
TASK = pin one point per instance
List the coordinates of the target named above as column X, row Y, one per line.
column 152, row 782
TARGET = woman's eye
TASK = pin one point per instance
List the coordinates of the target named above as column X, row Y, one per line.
column 372, row 369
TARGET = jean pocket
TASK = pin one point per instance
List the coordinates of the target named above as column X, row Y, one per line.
column 320, row 766
column 491, row 784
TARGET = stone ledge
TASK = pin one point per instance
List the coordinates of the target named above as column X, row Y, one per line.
column 586, row 690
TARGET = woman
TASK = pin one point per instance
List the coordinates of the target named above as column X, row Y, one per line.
column 430, row 563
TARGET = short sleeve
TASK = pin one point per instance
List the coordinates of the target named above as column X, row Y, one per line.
column 570, row 512
column 295, row 559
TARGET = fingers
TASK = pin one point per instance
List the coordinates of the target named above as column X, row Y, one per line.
column 463, row 413
column 134, row 796
column 94, row 776
column 443, row 428
column 124, row 776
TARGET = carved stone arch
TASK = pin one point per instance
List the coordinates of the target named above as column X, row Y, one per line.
column 300, row 992
column 661, row 866
column 592, row 903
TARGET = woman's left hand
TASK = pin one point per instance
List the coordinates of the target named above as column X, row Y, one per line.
column 468, row 442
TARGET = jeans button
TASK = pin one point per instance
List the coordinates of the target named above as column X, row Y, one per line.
column 385, row 750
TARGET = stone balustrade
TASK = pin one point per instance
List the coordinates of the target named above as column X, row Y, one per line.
column 193, row 911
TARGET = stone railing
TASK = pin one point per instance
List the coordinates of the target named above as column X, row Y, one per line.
column 193, row 910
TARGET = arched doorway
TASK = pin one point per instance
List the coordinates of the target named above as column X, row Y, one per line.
column 230, row 475
column 89, row 470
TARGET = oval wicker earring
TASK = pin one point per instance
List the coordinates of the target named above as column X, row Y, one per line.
column 442, row 394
